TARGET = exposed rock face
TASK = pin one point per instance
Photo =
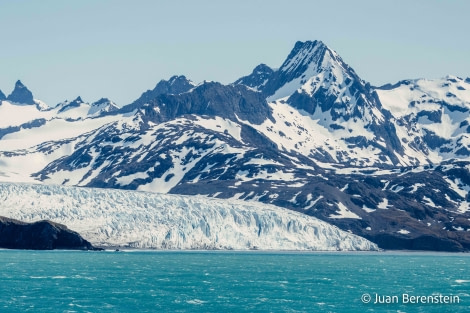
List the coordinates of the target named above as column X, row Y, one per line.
column 174, row 86
column 2, row 96
column 70, row 105
column 208, row 99
column 42, row 235
column 21, row 94
column 102, row 106
column 258, row 78
column 390, row 163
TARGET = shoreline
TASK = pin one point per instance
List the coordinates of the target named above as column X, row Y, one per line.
column 118, row 249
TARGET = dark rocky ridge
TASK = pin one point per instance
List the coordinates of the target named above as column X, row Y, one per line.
column 21, row 94
column 174, row 86
column 296, row 63
column 398, row 205
column 42, row 235
column 2, row 96
column 258, row 78
column 208, row 99
column 74, row 104
column 28, row 125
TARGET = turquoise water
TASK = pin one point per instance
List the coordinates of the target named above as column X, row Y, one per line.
column 68, row 281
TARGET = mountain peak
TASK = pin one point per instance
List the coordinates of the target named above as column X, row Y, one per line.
column 210, row 99
column 308, row 45
column 305, row 60
column 19, row 84
column 178, row 79
column 262, row 68
column 78, row 100
column 21, row 94
column 65, row 106
column 302, row 55
column 101, row 101
column 258, row 78
column 102, row 106
column 2, row 96
column 175, row 85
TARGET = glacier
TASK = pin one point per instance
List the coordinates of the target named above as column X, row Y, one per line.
column 135, row 219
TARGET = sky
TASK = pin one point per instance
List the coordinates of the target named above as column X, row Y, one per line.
column 119, row 49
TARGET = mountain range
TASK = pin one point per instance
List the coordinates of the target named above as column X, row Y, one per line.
column 388, row 163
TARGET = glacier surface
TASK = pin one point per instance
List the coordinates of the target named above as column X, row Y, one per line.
column 157, row 221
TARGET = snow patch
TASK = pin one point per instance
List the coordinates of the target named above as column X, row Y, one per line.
column 344, row 212
column 384, row 204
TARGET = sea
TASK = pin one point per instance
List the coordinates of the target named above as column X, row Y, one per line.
column 233, row 281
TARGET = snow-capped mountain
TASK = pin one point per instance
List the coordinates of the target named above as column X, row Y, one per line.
column 22, row 96
column 78, row 109
column 339, row 117
column 431, row 115
column 258, row 79
column 101, row 107
column 147, row 220
column 310, row 136
column 174, row 86
column 208, row 99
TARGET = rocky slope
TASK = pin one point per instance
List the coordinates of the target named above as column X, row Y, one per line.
column 387, row 163
column 41, row 235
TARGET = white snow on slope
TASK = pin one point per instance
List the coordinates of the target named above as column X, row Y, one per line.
column 319, row 66
column 437, row 106
column 296, row 130
column 54, row 130
column 450, row 89
column 221, row 125
column 344, row 212
column 148, row 220
column 15, row 115
column 19, row 114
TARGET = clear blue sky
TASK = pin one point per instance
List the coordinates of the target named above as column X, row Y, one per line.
column 118, row 49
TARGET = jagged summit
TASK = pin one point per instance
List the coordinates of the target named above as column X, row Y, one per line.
column 176, row 82
column 67, row 105
column 310, row 67
column 78, row 100
column 313, row 69
column 104, row 105
column 258, row 78
column 21, row 94
column 210, row 99
column 79, row 109
column 175, row 85
column 315, row 80
column 302, row 55
column 310, row 135
column 101, row 101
